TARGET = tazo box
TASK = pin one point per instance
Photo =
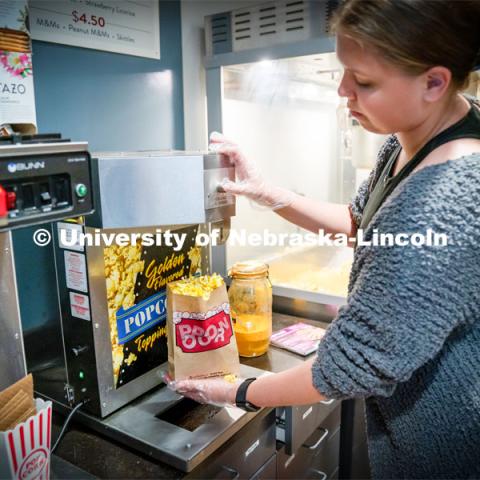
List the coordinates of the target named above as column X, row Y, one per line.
column 201, row 341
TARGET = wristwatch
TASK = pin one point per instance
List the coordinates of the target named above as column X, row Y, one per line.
column 241, row 397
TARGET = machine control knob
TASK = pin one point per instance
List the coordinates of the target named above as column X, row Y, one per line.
column 46, row 196
column 3, row 203
column 11, row 201
column 77, row 351
column 81, row 190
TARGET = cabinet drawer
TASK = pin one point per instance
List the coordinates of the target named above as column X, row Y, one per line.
column 318, row 454
column 326, row 460
column 296, row 424
column 267, row 471
column 324, row 431
column 244, row 454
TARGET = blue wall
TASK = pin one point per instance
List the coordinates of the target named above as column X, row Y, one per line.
column 113, row 101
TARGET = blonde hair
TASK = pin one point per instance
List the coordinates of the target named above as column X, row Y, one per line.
column 416, row 35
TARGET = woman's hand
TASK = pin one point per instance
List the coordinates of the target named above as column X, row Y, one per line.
column 250, row 182
column 215, row 391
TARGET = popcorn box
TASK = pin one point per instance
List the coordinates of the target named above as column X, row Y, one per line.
column 25, row 450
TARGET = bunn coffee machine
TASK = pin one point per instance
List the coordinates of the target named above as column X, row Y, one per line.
column 43, row 178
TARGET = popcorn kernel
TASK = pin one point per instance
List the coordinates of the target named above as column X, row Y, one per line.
column 230, row 378
column 198, row 286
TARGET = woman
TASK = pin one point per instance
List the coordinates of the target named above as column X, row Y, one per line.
column 408, row 339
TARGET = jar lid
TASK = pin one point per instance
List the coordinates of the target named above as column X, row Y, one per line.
column 247, row 269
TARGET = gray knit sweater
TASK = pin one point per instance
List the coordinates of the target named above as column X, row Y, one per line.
column 408, row 339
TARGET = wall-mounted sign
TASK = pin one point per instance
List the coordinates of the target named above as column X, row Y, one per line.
column 13, row 14
column 17, row 100
column 128, row 27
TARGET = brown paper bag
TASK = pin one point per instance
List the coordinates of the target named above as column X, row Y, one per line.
column 201, row 341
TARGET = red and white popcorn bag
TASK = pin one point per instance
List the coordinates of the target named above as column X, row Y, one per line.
column 25, row 450
column 201, row 340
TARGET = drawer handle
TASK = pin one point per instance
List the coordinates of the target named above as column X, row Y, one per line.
column 319, row 441
column 328, row 402
column 232, row 471
column 323, row 475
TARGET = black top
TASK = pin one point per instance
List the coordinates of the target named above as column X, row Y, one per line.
column 467, row 127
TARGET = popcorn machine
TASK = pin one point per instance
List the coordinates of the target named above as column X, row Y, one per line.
column 113, row 266
column 112, row 269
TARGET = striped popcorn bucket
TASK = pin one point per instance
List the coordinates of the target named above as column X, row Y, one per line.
column 25, row 450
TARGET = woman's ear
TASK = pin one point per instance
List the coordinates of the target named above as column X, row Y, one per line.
column 437, row 82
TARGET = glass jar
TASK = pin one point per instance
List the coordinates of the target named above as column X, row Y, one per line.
column 250, row 297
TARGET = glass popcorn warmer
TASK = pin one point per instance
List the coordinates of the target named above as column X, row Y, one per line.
column 286, row 115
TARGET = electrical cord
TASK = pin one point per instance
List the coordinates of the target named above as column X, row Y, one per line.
column 67, row 421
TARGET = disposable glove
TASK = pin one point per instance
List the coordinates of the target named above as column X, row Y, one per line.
column 214, row 391
column 250, row 182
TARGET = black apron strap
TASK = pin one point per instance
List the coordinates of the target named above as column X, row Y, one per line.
column 467, row 127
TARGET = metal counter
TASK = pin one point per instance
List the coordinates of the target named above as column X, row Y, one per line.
column 147, row 461
column 80, row 442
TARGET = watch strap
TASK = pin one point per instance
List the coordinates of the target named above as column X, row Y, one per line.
column 241, row 397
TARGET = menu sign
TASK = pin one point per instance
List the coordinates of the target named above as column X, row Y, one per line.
column 13, row 14
column 128, row 27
